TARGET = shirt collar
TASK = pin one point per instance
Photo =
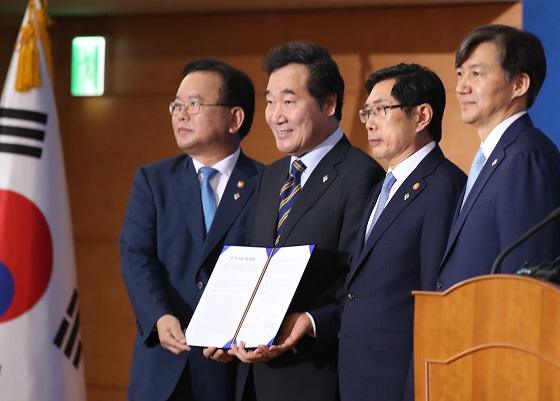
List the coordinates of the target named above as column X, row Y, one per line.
column 496, row 134
column 407, row 166
column 224, row 167
column 312, row 158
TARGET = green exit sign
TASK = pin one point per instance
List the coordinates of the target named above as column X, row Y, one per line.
column 88, row 66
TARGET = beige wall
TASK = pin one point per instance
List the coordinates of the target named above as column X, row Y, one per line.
column 105, row 139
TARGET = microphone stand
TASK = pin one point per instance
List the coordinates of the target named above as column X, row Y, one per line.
column 552, row 216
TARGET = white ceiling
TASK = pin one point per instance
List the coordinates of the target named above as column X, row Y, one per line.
column 69, row 8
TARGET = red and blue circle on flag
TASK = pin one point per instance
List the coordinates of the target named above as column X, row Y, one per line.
column 26, row 255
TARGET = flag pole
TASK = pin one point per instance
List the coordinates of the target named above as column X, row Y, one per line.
column 41, row 355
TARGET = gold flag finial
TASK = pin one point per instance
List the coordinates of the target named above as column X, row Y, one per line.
column 28, row 71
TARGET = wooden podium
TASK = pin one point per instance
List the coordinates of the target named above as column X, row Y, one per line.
column 491, row 338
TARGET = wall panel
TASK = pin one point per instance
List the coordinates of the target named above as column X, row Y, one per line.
column 105, row 139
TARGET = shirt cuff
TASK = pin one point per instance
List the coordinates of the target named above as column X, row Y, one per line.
column 314, row 335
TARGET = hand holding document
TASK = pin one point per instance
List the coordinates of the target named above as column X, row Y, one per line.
column 247, row 296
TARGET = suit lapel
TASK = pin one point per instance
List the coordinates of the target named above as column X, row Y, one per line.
column 318, row 182
column 487, row 170
column 240, row 187
column 492, row 163
column 414, row 184
column 365, row 219
column 189, row 200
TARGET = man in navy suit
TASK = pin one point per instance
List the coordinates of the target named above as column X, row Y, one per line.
column 402, row 236
column 304, row 97
column 500, row 70
column 167, row 251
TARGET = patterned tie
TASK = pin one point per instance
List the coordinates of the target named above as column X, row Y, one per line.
column 476, row 166
column 288, row 194
column 383, row 197
column 208, row 196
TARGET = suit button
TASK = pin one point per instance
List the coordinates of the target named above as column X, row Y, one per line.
column 200, row 285
column 439, row 284
column 351, row 296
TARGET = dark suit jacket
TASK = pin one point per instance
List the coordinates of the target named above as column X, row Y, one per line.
column 518, row 186
column 402, row 254
column 166, row 263
column 327, row 213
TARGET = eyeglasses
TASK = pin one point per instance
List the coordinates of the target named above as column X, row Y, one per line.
column 376, row 111
column 191, row 107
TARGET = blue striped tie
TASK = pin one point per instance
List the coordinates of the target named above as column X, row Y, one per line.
column 208, row 196
column 288, row 194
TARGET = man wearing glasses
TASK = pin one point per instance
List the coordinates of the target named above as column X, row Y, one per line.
column 170, row 240
column 402, row 236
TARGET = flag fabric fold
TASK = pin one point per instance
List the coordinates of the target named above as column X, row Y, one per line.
column 40, row 344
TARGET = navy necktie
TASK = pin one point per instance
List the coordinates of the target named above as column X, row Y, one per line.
column 208, row 196
column 288, row 195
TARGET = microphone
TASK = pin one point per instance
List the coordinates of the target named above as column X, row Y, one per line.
column 552, row 216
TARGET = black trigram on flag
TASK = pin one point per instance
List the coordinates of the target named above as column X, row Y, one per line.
column 24, row 133
column 67, row 338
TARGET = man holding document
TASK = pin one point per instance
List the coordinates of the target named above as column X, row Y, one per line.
column 247, row 296
column 314, row 196
column 181, row 213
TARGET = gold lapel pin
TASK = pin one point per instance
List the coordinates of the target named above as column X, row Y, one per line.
column 325, row 178
column 406, row 196
column 236, row 196
column 240, row 184
column 494, row 162
column 416, row 186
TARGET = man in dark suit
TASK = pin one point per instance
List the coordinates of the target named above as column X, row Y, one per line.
column 169, row 244
column 304, row 106
column 402, row 236
column 500, row 70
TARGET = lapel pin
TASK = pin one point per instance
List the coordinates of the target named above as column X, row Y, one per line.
column 416, row 186
column 406, row 196
column 325, row 178
column 494, row 162
column 240, row 184
column 236, row 196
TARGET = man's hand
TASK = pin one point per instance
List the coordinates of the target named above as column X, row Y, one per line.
column 260, row 354
column 170, row 334
column 294, row 327
column 217, row 354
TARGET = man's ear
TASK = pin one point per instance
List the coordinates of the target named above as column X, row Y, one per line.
column 424, row 114
column 237, row 117
column 521, row 83
column 330, row 104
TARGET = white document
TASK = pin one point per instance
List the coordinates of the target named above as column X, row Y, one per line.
column 247, row 296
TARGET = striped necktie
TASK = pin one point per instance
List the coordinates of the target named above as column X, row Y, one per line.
column 288, row 195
